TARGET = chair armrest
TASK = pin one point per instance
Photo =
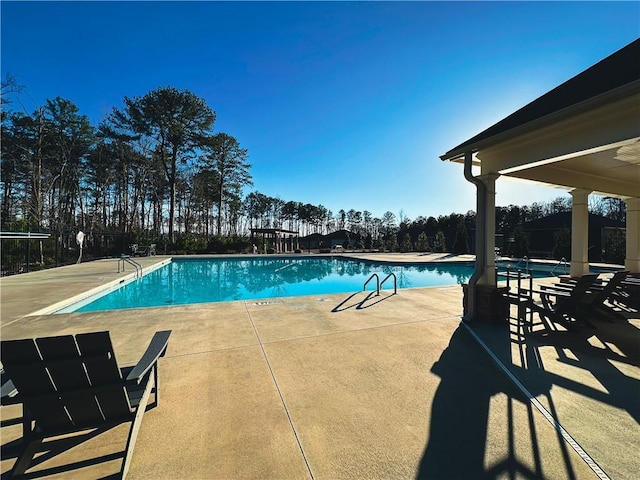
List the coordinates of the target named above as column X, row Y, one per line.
column 556, row 287
column 516, row 298
column 7, row 389
column 558, row 294
column 155, row 350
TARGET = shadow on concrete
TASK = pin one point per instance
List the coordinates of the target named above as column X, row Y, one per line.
column 52, row 448
column 457, row 441
column 55, row 446
column 594, row 350
column 605, row 350
column 369, row 300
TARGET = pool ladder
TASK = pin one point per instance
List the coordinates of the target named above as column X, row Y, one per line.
column 380, row 283
column 127, row 259
column 563, row 262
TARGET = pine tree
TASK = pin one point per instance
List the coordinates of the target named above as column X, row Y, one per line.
column 562, row 247
column 461, row 244
column 407, row 244
column 520, row 243
column 440, row 244
column 423, row 243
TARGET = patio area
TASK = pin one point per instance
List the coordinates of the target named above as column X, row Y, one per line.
column 346, row 386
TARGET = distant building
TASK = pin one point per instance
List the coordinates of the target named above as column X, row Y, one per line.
column 542, row 234
column 342, row 238
column 311, row 241
column 275, row 240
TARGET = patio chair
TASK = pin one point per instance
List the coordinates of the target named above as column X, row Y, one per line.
column 70, row 384
column 597, row 297
column 627, row 295
column 566, row 310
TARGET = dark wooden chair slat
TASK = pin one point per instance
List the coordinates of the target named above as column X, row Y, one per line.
column 81, row 404
column 105, row 371
column 33, row 379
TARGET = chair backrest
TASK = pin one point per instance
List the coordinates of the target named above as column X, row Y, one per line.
column 613, row 283
column 67, row 382
column 583, row 284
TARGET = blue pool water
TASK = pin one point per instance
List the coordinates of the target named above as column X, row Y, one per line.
column 187, row 281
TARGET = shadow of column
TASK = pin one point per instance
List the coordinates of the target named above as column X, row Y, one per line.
column 457, row 442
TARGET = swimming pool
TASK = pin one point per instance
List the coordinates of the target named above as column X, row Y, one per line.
column 185, row 281
column 188, row 281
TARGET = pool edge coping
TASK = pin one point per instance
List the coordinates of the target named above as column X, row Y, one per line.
column 56, row 307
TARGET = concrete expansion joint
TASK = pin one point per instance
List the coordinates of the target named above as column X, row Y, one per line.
column 214, row 350
column 284, row 404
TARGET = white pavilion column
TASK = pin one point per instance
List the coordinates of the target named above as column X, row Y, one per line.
column 632, row 257
column 489, row 275
column 579, row 232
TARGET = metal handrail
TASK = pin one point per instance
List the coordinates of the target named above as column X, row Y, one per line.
column 364, row 287
column 509, row 274
column 395, row 282
column 563, row 261
column 524, row 260
column 127, row 259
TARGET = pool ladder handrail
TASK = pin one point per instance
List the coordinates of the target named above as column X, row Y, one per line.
column 562, row 261
column 524, row 260
column 395, row 282
column 380, row 283
column 126, row 258
column 518, row 274
column 364, row 287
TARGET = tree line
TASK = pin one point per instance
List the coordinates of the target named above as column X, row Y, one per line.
column 155, row 166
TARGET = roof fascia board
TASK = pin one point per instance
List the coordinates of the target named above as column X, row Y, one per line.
column 552, row 175
column 580, row 153
column 613, row 124
column 592, row 103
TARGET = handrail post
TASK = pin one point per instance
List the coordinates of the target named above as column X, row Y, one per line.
column 124, row 258
column 364, row 287
column 395, row 282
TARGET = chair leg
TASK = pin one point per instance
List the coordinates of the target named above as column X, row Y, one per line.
column 23, row 461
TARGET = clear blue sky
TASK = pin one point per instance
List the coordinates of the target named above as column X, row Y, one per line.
column 348, row 105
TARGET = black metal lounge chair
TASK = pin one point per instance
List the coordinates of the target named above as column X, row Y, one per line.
column 566, row 310
column 70, row 384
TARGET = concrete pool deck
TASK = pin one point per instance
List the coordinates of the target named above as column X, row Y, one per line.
column 345, row 386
